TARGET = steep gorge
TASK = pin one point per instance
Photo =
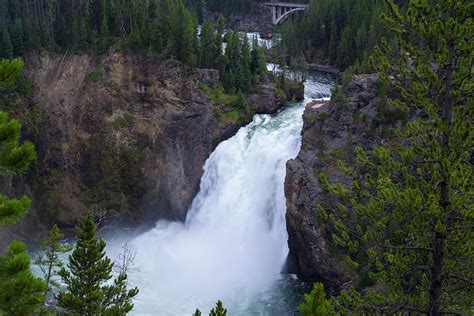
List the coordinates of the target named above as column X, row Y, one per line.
column 128, row 134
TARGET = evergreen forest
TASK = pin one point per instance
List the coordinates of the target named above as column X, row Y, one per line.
column 394, row 209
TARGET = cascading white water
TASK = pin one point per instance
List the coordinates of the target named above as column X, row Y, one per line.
column 233, row 244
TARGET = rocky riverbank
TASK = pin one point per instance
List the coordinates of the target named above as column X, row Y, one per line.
column 124, row 134
column 356, row 116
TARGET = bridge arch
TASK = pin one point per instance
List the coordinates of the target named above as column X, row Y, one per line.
column 286, row 15
column 283, row 10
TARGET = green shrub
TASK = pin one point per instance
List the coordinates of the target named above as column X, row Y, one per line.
column 119, row 122
column 389, row 115
column 219, row 96
column 316, row 303
column 281, row 95
column 94, row 75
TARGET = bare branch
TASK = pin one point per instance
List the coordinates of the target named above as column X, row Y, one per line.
column 125, row 261
column 100, row 218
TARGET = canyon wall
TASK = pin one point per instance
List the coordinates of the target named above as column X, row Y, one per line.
column 355, row 117
column 125, row 134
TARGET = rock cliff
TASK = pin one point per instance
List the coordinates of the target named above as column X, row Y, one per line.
column 127, row 134
column 355, row 116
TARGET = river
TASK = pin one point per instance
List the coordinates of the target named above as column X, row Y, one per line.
column 233, row 244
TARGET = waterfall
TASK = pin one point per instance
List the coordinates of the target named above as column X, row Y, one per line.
column 233, row 244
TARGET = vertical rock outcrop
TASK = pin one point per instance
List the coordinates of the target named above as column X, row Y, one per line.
column 356, row 116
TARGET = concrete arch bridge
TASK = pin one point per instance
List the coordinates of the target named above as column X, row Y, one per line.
column 283, row 10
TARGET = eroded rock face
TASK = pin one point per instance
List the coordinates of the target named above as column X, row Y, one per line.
column 331, row 132
column 127, row 134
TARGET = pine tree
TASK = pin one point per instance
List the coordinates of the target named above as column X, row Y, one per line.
column 407, row 218
column 104, row 26
column 282, row 82
column 14, row 160
column 345, row 50
column 316, row 303
column 232, row 74
column 6, row 47
column 156, row 39
column 74, row 33
column 9, row 70
column 187, row 40
column 63, row 37
column 17, row 38
column 219, row 310
column 84, row 35
column 257, row 64
column 21, row 293
column 50, row 262
column 134, row 41
column 14, row 156
column 89, row 270
column 165, row 15
column 218, row 58
column 245, row 75
column 207, row 42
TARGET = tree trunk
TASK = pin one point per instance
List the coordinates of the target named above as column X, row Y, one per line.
column 50, row 272
column 435, row 290
column 436, row 286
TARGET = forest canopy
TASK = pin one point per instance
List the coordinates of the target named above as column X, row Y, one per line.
column 342, row 33
column 74, row 25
